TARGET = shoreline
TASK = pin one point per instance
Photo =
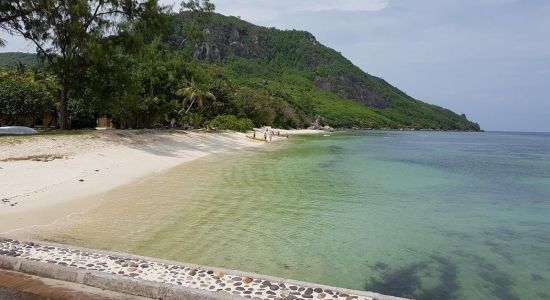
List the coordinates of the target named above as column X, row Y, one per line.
column 50, row 177
column 46, row 178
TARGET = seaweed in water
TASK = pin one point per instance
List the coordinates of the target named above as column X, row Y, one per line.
column 501, row 283
column 448, row 285
column 537, row 277
column 380, row 266
column 406, row 281
column 402, row 282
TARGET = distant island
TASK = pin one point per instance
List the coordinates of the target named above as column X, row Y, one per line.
column 144, row 78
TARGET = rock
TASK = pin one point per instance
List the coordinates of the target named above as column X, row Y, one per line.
column 247, row 280
column 219, row 274
column 81, row 180
column 308, row 291
column 317, row 290
column 285, row 293
column 321, row 295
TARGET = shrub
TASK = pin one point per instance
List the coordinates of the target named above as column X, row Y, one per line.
column 22, row 99
column 230, row 122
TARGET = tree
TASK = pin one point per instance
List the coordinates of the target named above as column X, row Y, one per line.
column 23, row 98
column 194, row 93
column 63, row 32
column 204, row 6
column 11, row 10
column 201, row 12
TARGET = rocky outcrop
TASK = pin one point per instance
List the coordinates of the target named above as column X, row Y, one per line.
column 244, row 40
column 350, row 88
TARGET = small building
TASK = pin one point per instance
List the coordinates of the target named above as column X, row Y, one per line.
column 104, row 122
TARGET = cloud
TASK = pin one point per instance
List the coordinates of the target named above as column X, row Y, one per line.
column 266, row 10
column 339, row 5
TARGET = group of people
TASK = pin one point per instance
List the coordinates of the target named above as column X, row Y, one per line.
column 268, row 132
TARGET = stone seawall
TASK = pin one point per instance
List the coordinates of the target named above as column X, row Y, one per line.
column 158, row 279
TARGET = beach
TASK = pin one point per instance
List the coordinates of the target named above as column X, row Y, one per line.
column 359, row 210
column 47, row 177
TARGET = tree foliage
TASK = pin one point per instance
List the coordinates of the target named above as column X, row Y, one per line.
column 230, row 122
column 194, row 94
column 23, row 97
column 64, row 32
column 143, row 65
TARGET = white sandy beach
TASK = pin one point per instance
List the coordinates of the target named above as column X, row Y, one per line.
column 44, row 178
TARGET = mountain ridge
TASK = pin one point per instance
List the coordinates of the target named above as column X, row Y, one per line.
column 236, row 44
column 287, row 78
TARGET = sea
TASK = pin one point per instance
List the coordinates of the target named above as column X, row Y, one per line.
column 426, row 215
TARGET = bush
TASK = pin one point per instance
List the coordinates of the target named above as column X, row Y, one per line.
column 230, row 122
column 22, row 99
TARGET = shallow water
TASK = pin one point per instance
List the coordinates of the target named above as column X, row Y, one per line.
column 425, row 215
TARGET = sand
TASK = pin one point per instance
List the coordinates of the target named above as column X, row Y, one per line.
column 45, row 178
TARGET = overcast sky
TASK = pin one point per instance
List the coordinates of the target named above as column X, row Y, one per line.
column 489, row 59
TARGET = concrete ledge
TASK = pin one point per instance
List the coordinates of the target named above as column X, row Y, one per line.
column 145, row 288
column 108, row 282
column 9, row 263
column 50, row 271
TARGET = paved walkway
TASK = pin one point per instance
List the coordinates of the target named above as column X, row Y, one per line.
column 131, row 269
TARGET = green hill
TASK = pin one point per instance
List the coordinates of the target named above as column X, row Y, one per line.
column 313, row 79
column 12, row 59
column 270, row 76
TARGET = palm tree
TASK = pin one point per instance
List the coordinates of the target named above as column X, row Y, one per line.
column 194, row 93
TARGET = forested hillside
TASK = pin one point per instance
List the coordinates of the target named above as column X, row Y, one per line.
column 313, row 79
column 12, row 59
column 195, row 65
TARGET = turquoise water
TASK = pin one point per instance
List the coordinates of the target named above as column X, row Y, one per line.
column 425, row 215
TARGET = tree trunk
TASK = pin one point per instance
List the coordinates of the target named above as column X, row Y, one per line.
column 190, row 105
column 63, row 115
